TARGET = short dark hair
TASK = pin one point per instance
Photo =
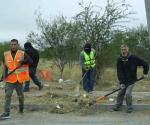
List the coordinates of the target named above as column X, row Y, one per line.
column 123, row 45
column 14, row 40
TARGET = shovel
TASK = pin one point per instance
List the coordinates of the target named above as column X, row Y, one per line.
column 98, row 98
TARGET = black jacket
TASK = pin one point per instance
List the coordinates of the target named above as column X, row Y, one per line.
column 127, row 68
column 34, row 54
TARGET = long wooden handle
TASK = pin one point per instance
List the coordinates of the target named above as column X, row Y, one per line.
column 83, row 76
column 103, row 97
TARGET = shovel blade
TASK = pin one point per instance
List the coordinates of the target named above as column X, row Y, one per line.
column 100, row 98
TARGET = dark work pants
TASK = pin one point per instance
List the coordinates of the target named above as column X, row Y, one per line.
column 88, row 80
column 9, row 87
column 125, row 92
column 32, row 73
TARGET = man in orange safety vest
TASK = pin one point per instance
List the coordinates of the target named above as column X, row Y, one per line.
column 15, row 72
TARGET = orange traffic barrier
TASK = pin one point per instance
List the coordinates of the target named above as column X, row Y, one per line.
column 45, row 74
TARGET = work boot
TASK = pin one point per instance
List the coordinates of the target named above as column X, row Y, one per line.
column 41, row 87
column 5, row 116
column 117, row 108
column 21, row 110
column 90, row 92
column 129, row 110
column 26, row 90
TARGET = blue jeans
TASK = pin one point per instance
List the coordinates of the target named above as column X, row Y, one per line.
column 88, row 80
column 32, row 73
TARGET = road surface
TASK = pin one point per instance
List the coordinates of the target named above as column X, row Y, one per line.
column 105, row 118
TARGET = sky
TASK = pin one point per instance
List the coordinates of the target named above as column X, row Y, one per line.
column 17, row 17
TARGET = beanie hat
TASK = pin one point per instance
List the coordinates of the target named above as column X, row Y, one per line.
column 27, row 45
column 87, row 47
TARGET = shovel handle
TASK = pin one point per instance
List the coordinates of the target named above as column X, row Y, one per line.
column 140, row 78
column 83, row 76
column 9, row 73
column 103, row 97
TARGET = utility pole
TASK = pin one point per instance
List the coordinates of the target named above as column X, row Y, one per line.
column 147, row 8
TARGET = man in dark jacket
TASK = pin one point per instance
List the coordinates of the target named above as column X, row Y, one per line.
column 127, row 75
column 33, row 53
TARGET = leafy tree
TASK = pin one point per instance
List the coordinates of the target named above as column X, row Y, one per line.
column 62, row 40
column 138, row 41
column 135, row 38
column 4, row 46
column 59, row 39
column 98, row 26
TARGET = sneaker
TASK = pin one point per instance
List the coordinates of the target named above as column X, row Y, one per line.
column 116, row 108
column 129, row 110
column 91, row 92
column 41, row 87
column 5, row 116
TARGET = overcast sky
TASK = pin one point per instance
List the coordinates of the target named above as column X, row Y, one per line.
column 17, row 17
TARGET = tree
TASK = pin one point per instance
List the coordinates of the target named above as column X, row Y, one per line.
column 97, row 27
column 59, row 39
column 4, row 46
column 137, row 40
column 62, row 40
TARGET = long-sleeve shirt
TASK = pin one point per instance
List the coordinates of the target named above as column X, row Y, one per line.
column 34, row 54
column 127, row 69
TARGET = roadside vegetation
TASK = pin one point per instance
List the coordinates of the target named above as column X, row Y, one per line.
column 61, row 40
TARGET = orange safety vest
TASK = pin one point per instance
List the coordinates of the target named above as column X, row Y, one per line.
column 22, row 73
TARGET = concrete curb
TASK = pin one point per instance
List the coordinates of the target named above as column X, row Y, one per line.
column 36, row 107
column 137, row 107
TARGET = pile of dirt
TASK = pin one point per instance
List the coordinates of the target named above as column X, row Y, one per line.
column 54, row 98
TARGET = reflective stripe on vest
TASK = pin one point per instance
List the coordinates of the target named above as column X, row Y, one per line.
column 20, row 70
column 22, row 73
column 89, row 59
column 5, row 56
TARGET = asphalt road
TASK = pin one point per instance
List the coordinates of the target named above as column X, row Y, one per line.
column 105, row 118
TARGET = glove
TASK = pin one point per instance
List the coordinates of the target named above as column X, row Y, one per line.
column 145, row 76
column 122, row 86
